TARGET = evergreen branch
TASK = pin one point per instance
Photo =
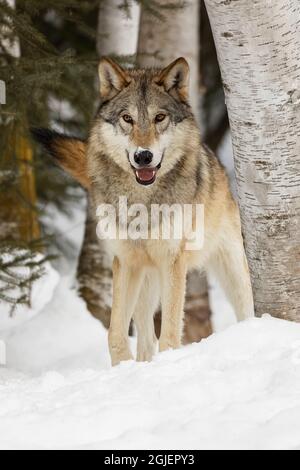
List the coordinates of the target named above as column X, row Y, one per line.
column 20, row 25
column 36, row 6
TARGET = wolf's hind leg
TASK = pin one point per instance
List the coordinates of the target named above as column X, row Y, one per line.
column 126, row 288
column 145, row 309
column 229, row 265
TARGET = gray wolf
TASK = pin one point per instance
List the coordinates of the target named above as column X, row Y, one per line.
column 144, row 144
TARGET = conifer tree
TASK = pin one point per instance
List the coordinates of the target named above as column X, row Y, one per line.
column 38, row 67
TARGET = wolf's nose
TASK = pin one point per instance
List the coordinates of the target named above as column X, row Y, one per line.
column 143, row 158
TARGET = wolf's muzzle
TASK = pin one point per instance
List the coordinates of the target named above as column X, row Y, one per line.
column 144, row 174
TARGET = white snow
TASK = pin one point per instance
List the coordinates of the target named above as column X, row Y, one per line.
column 239, row 389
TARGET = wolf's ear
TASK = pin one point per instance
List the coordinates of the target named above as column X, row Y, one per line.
column 68, row 152
column 112, row 78
column 175, row 79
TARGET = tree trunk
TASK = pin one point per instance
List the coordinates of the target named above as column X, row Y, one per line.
column 164, row 40
column 117, row 28
column 160, row 42
column 18, row 216
column 117, row 35
column 258, row 45
column 95, row 272
column 214, row 116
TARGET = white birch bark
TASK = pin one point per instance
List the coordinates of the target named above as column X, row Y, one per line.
column 258, row 44
column 117, row 30
column 117, row 35
column 164, row 40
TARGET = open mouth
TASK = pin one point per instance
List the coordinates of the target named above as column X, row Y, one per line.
column 146, row 176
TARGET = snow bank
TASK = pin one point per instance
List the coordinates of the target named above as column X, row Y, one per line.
column 240, row 389
column 42, row 292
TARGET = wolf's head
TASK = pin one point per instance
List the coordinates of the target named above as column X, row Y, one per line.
column 144, row 124
column 140, row 119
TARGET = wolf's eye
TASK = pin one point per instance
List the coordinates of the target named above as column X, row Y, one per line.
column 127, row 118
column 160, row 117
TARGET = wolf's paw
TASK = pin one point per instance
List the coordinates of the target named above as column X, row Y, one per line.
column 165, row 344
column 146, row 349
column 119, row 350
column 145, row 354
column 120, row 356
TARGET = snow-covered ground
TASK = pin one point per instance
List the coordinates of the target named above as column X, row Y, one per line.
column 240, row 389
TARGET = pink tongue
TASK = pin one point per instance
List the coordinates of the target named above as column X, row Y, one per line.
column 146, row 174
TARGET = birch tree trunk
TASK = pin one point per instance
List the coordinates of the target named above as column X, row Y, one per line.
column 161, row 42
column 118, row 28
column 258, row 44
column 117, row 35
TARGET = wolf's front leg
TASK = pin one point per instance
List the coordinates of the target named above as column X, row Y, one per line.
column 173, row 278
column 144, row 316
column 126, row 287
